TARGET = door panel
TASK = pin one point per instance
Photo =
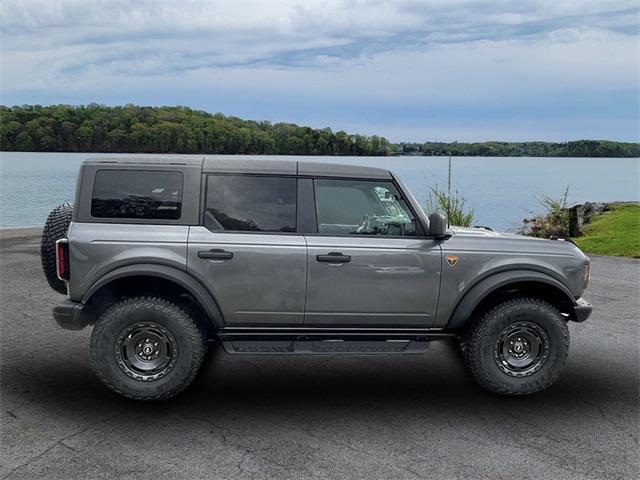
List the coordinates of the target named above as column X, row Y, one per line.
column 386, row 281
column 255, row 278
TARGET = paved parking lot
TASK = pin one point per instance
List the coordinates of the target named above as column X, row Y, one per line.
column 316, row 417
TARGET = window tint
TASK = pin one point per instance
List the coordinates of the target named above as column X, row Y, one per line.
column 353, row 207
column 137, row 194
column 246, row 203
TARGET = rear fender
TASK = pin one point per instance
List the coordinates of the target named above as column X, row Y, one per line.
column 181, row 278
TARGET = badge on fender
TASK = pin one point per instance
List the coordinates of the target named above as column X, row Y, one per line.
column 452, row 260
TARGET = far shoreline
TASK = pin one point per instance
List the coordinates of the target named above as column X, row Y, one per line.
column 162, row 129
column 305, row 155
column 10, row 232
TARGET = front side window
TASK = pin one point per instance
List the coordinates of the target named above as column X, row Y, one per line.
column 354, row 207
column 137, row 194
column 250, row 203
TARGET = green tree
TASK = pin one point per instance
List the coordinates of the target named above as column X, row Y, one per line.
column 137, row 129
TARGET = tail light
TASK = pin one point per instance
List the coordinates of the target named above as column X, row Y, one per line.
column 62, row 259
column 586, row 273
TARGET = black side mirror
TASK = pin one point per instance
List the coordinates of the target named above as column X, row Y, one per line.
column 437, row 225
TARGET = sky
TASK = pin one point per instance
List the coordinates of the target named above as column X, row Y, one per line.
column 409, row 70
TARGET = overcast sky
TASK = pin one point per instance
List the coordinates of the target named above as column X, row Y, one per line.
column 409, row 70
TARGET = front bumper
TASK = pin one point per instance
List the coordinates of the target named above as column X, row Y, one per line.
column 582, row 310
column 68, row 315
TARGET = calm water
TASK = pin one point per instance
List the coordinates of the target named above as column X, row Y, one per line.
column 500, row 189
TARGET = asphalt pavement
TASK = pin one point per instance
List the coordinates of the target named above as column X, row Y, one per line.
column 296, row 417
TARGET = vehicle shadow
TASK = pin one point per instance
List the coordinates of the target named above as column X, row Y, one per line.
column 311, row 385
column 284, row 409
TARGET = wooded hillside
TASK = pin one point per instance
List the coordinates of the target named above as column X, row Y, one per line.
column 135, row 129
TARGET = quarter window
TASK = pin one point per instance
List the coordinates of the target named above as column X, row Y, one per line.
column 137, row 194
column 354, row 207
column 250, row 203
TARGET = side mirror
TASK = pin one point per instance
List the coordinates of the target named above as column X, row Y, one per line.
column 437, row 225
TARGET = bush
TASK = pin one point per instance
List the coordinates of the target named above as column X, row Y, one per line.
column 554, row 222
column 452, row 205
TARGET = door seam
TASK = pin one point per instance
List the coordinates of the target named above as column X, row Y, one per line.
column 306, row 280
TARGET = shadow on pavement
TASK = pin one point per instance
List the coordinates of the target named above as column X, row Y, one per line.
column 245, row 383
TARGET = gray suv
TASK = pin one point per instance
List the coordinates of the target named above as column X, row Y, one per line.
column 166, row 256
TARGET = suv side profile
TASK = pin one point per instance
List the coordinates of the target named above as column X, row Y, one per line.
column 165, row 256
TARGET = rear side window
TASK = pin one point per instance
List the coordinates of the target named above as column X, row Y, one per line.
column 251, row 204
column 137, row 194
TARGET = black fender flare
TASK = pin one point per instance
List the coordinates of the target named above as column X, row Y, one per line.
column 485, row 287
column 180, row 277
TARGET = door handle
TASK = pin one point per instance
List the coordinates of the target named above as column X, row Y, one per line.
column 215, row 254
column 334, row 257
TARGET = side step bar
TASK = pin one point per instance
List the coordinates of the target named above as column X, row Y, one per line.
column 346, row 341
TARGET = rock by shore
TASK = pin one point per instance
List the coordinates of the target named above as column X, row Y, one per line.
column 568, row 222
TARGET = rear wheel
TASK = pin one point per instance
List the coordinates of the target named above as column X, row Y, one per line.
column 147, row 348
column 518, row 347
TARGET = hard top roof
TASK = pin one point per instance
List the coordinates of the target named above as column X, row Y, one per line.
column 185, row 160
column 250, row 164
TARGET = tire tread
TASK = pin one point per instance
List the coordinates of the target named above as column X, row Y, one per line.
column 193, row 329
column 480, row 330
column 55, row 228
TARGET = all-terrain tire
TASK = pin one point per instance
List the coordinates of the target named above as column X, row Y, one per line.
column 55, row 228
column 490, row 344
column 116, row 333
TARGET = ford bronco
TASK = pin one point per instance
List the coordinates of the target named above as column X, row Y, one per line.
column 164, row 257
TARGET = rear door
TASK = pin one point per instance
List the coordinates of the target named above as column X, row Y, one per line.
column 368, row 263
column 248, row 252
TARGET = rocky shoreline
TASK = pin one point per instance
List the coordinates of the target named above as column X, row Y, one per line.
column 570, row 223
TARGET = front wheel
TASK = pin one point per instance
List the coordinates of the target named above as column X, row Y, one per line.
column 518, row 347
column 147, row 348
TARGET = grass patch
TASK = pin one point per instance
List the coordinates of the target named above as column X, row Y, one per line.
column 616, row 232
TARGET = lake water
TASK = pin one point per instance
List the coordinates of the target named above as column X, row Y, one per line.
column 500, row 189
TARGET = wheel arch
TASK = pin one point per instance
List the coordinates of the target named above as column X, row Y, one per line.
column 151, row 279
column 506, row 285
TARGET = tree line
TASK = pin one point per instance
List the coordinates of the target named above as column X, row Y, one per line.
column 578, row 148
column 136, row 129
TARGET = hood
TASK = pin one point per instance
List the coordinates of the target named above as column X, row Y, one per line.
column 486, row 232
column 486, row 239
column 474, row 231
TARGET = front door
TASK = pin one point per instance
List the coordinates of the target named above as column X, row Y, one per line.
column 247, row 252
column 368, row 266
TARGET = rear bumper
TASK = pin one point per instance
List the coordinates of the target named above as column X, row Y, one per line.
column 582, row 310
column 68, row 315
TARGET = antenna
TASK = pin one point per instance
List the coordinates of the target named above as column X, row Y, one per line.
column 449, row 195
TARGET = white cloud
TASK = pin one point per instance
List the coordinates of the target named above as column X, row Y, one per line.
column 350, row 56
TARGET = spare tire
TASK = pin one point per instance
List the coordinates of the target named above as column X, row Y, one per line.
column 55, row 228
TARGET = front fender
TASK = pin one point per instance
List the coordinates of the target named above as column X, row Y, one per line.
column 485, row 287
